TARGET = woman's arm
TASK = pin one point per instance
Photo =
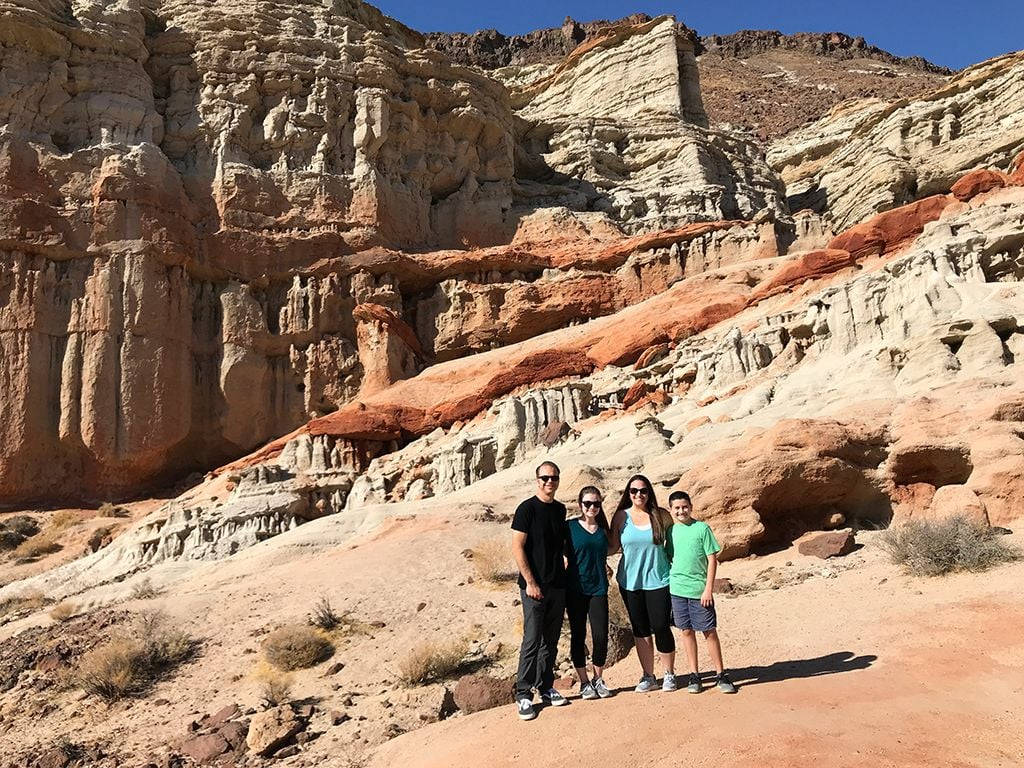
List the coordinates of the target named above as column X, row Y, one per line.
column 618, row 520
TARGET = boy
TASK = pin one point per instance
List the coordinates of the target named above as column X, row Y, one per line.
column 692, row 551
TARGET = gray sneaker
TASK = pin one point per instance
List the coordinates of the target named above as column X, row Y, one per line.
column 693, row 684
column 553, row 697
column 602, row 690
column 647, row 683
column 587, row 691
column 669, row 683
column 725, row 685
column 526, row 710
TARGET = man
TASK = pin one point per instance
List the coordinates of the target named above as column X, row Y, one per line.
column 539, row 543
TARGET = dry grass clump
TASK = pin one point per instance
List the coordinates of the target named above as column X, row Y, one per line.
column 936, row 547
column 63, row 611
column 493, row 562
column 431, row 661
column 275, row 685
column 109, row 509
column 133, row 659
column 324, row 615
column 26, row 602
column 41, row 544
column 144, row 590
column 64, row 518
column 296, row 647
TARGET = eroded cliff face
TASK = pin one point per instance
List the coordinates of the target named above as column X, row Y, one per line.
column 217, row 223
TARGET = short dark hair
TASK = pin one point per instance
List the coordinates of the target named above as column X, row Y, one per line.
column 676, row 495
column 543, row 464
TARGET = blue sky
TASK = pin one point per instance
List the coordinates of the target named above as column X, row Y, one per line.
column 953, row 34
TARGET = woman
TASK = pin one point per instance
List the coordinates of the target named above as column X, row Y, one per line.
column 586, row 552
column 639, row 529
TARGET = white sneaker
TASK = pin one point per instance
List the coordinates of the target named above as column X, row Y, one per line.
column 669, row 683
column 553, row 697
column 647, row 683
column 602, row 690
column 526, row 710
column 587, row 691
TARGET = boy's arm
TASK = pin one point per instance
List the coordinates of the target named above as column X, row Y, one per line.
column 708, row 598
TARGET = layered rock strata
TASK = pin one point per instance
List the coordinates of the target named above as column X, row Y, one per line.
column 882, row 155
column 214, row 227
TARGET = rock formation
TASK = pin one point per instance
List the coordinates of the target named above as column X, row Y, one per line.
column 625, row 274
column 226, row 225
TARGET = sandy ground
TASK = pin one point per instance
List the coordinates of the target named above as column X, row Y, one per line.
column 857, row 664
column 867, row 668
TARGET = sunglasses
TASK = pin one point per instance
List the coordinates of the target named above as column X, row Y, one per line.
column 548, row 478
column 638, row 491
column 589, row 504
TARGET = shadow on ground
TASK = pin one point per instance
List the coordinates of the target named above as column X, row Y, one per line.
column 792, row 669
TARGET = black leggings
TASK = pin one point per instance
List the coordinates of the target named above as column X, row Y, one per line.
column 650, row 613
column 579, row 607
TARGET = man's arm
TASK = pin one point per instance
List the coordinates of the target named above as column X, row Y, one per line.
column 708, row 598
column 519, row 552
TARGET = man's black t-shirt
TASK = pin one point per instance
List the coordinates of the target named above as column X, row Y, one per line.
column 544, row 526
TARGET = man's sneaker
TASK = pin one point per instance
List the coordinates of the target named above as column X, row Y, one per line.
column 553, row 697
column 669, row 683
column 526, row 710
column 725, row 685
column 647, row 683
column 602, row 690
column 587, row 691
column 693, row 684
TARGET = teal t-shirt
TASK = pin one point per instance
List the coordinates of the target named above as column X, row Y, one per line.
column 587, row 553
column 687, row 546
column 643, row 564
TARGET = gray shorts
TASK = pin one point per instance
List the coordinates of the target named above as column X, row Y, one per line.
column 688, row 613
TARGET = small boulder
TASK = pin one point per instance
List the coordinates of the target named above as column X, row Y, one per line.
column 722, row 587
column 204, row 749
column 273, row 729
column 950, row 500
column 474, row 693
column 635, row 393
column 828, row 544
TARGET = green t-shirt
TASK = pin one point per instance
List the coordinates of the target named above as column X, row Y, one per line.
column 688, row 546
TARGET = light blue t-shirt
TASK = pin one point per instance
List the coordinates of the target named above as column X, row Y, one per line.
column 644, row 564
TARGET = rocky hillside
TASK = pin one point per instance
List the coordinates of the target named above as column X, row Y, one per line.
column 764, row 81
column 363, row 288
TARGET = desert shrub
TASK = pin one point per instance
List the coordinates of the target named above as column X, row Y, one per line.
column 63, row 611
column 297, row 647
column 324, row 616
column 131, row 660
column 23, row 524
column 936, row 547
column 493, row 562
column 26, row 602
column 64, row 518
column 275, row 685
column 10, row 540
column 109, row 509
column 41, row 544
column 144, row 590
column 431, row 662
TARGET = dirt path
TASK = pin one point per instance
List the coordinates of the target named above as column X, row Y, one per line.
column 870, row 668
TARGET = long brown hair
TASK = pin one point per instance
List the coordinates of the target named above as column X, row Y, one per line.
column 659, row 518
column 602, row 521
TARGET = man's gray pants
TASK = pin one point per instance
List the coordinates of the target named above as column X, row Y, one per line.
column 542, row 626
